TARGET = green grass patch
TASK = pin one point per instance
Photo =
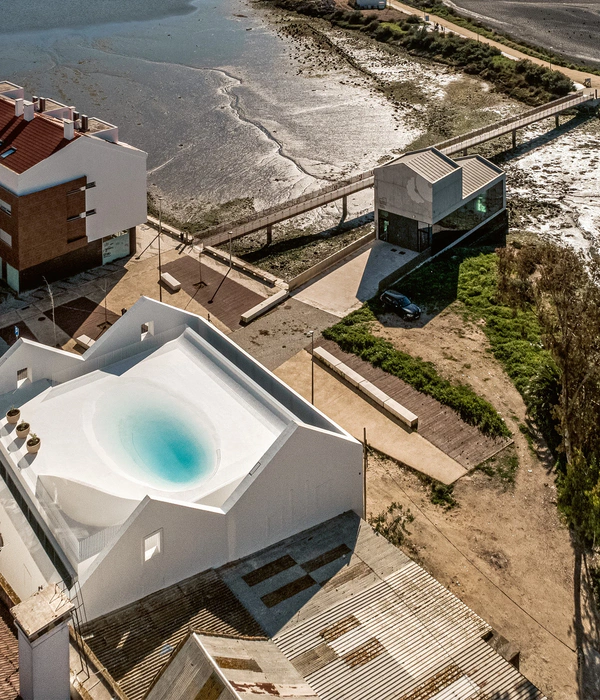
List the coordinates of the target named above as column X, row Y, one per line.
column 442, row 495
column 503, row 466
column 470, row 275
column 523, row 80
column 449, row 14
column 354, row 334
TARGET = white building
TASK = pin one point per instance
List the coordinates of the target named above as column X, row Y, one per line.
column 165, row 450
column 71, row 193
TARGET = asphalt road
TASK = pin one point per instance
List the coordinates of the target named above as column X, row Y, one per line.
column 569, row 27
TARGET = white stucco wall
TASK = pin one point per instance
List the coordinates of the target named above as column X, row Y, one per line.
column 311, row 477
column 41, row 360
column 44, row 672
column 23, row 562
column 118, row 170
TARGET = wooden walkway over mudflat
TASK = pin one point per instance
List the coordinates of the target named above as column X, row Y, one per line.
column 340, row 190
column 438, row 424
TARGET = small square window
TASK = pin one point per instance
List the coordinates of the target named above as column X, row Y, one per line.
column 152, row 545
column 22, row 376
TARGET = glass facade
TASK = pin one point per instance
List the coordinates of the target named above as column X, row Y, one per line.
column 472, row 213
column 403, row 232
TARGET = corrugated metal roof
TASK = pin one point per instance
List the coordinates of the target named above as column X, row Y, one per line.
column 135, row 642
column 375, row 625
column 33, row 141
column 256, row 667
column 349, row 613
column 477, row 173
column 430, row 164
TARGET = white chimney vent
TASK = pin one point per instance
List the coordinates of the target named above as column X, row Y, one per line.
column 69, row 129
column 19, row 107
column 28, row 110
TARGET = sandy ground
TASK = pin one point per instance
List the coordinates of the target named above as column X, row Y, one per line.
column 512, row 535
column 524, row 529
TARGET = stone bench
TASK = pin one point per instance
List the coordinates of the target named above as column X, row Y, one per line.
column 170, row 282
column 85, row 341
column 374, row 393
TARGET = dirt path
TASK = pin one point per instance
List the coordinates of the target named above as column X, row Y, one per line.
column 512, row 534
column 517, row 545
column 575, row 75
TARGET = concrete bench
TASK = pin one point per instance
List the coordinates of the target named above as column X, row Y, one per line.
column 374, row 393
column 85, row 341
column 264, row 306
column 169, row 281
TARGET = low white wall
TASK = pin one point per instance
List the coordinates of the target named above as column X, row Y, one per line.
column 312, row 477
column 23, row 562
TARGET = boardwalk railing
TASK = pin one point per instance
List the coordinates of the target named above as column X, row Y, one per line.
column 336, row 190
column 505, row 126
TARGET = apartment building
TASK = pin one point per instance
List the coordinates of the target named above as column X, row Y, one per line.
column 71, row 193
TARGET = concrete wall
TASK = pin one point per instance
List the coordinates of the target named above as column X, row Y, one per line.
column 118, row 170
column 400, row 190
column 310, row 477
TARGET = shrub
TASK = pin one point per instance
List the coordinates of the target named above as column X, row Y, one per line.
column 353, row 334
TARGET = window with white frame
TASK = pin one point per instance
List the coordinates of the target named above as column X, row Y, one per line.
column 5, row 206
column 152, row 545
column 6, row 238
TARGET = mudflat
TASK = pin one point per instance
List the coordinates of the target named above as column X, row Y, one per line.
column 565, row 26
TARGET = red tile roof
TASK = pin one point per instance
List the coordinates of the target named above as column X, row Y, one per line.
column 34, row 141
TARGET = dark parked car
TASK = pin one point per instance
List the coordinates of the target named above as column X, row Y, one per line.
column 400, row 304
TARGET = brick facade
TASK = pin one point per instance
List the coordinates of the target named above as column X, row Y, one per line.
column 48, row 236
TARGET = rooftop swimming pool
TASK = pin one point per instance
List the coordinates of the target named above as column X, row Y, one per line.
column 153, row 438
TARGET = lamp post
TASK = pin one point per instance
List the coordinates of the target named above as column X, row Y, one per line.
column 52, row 303
column 159, row 257
column 312, row 366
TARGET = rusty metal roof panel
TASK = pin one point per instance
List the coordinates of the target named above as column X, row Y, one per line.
column 137, row 641
column 375, row 625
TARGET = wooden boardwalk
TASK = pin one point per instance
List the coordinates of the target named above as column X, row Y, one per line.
column 229, row 302
column 439, row 424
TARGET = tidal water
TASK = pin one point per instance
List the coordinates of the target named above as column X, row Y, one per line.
column 207, row 88
column 568, row 27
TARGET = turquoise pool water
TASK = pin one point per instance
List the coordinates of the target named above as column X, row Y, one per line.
column 153, row 438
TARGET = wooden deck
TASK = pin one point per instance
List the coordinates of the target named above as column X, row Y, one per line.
column 83, row 316
column 231, row 299
column 439, row 424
